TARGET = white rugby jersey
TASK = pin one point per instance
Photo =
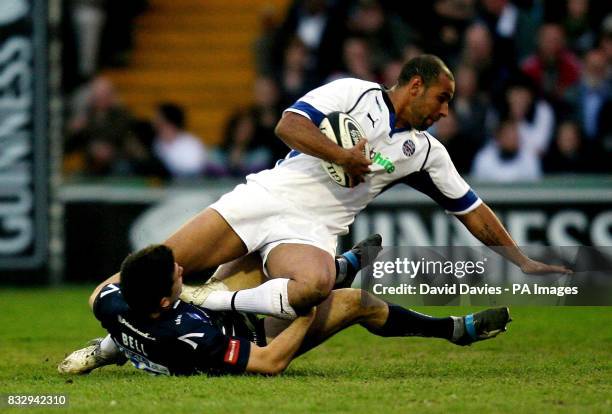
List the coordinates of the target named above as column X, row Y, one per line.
column 398, row 156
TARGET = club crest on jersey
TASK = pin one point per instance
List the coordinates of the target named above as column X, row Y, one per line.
column 408, row 147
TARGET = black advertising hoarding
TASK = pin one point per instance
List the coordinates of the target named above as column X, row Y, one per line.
column 535, row 215
column 119, row 219
column 23, row 139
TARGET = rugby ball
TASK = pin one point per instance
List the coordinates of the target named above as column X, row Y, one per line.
column 345, row 131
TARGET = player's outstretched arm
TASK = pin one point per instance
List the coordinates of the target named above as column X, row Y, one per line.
column 487, row 228
column 274, row 358
column 299, row 133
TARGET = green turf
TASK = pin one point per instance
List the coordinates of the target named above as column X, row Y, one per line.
column 550, row 360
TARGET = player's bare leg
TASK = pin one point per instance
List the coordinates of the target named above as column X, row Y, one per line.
column 341, row 309
column 205, row 242
column 311, row 272
column 302, row 276
column 307, row 280
column 242, row 273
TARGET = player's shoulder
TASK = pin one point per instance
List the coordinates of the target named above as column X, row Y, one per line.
column 436, row 147
column 353, row 85
column 191, row 317
column 109, row 301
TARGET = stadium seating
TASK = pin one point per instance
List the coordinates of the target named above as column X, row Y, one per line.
column 197, row 54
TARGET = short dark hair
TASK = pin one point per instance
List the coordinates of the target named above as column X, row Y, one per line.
column 173, row 114
column 428, row 67
column 146, row 277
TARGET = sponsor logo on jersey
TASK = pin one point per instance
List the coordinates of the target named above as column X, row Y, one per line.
column 233, row 349
column 129, row 325
column 408, row 147
column 372, row 120
column 386, row 163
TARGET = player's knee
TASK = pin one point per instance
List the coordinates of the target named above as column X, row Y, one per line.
column 317, row 287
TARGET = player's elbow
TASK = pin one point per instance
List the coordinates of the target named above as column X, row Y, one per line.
column 92, row 299
column 282, row 128
column 277, row 367
column 266, row 361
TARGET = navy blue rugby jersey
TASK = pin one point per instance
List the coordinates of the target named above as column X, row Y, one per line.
column 185, row 340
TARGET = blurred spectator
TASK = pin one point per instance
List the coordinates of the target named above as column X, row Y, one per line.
column 266, row 111
column 137, row 158
column 240, row 152
column 451, row 19
column 117, row 39
column 513, row 28
column 356, row 61
column 97, row 130
column 535, row 117
column 438, row 26
column 470, row 110
column 263, row 47
column 505, row 160
column 591, row 99
column 294, row 78
column 95, row 33
column 553, row 68
column 606, row 42
column 411, row 50
column 478, row 53
column 391, row 72
column 181, row 153
column 568, row 153
column 250, row 144
column 320, row 26
column 88, row 18
column 448, row 131
column 578, row 26
column 384, row 35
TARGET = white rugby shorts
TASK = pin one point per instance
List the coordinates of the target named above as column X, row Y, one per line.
column 264, row 221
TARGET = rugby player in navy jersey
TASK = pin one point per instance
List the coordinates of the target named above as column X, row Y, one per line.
column 151, row 327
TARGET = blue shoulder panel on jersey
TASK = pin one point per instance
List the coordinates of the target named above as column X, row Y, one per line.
column 291, row 154
column 315, row 115
column 422, row 181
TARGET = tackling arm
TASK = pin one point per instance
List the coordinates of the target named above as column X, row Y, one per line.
column 276, row 356
column 487, row 228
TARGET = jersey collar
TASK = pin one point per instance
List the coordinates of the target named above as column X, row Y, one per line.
column 391, row 109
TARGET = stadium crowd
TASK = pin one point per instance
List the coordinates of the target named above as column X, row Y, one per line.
column 533, row 88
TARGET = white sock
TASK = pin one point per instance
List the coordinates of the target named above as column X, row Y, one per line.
column 269, row 298
column 341, row 269
column 458, row 328
column 108, row 349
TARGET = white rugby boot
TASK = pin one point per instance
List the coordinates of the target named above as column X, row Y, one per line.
column 84, row 360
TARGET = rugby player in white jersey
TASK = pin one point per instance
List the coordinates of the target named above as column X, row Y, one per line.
column 292, row 214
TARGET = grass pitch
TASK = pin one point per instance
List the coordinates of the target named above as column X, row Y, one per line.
column 552, row 359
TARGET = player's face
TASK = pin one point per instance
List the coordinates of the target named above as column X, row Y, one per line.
column 432, row 103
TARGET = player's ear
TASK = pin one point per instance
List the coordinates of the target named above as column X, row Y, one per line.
column 415, row 86
column 165, row 302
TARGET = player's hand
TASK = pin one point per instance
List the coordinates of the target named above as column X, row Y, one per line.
column 533, row 267
column 354, row 162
